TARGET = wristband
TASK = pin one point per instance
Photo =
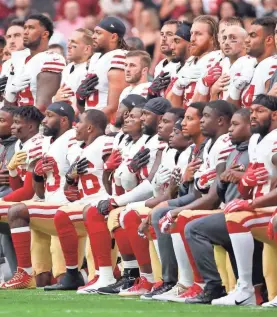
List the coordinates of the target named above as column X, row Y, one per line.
column 13, row 173
column 38, row 178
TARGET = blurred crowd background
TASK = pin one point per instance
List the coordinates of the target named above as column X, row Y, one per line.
column 143, row 18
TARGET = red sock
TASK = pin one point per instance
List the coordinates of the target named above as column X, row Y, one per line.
column 22, row 244
column 68, row 238
column 139, row 245
column 99, row 236
column 123, row 241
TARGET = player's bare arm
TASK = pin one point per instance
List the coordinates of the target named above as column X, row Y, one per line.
column 48, row 84
column 117, row 83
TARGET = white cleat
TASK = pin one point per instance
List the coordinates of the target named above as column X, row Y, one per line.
column 272, row 303
column 91, row 288
column 173, row 293
column 240, row 296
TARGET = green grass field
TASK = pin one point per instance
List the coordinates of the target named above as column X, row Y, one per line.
column 37, row 303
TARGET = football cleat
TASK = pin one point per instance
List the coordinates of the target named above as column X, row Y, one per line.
column 94, row 280
column 158, row 289
column 240, row 296
column 20, row 280
column 191, row 292
column 126, row 281
column 140, row 287
column 207, row 295
column 176, row 291
column 67, row 283
column 92, row 288
column 272, row 303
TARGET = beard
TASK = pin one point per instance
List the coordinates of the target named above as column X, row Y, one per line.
column 53, row 131
column 149, row 130
column 33, row 45
column 262, row 129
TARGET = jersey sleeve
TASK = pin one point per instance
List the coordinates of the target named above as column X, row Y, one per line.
column 107, row 146
column 118, row 60
column 53, row 63
column 35, row 150
column 74, row 150
column 226, row 147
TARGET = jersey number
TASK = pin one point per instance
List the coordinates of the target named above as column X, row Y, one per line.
column 90, row 184
column 26, row 97
column 248, row 96
column 93, row 99
column 57, row 179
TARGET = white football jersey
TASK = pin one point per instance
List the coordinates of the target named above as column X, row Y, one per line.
column 260, row 155
column 183, row 159
column 6, row 66
column 23, row 63
column 167, row 161
column 72, row 77
column 232, row 70
column 263, row 72
column 215, row 154
column 204, row 63
column 165, row 66
column 122, row 176
column 65, row 151
column 33, row 149
column 140, row 89
column 101, row 65
column 154, row 145
column 91, row 184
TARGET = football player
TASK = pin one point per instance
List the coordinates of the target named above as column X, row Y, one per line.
column 233, row 47
column 28, row 149
column 59, row 151
column 215, row 154
column 79, row 51
column 95, row 217
column 204, row 50
column 250, row 217
column 251, row 81
column 106, row 79
column 179, row 46
column 211, row 223
column 35, row 73
column 137, row 65
column 87, row 181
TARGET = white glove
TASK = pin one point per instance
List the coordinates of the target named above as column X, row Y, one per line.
column 18, row 83
column 240, row 81
column 163, row 176
column 187, row 76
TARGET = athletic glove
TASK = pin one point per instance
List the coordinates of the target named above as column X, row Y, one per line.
column 48, row 164
column 72, row 193
column 255, row 177
column 159, row 83
column 206, row 180
column 19, row 158
column 77, row 168
column 238, row 205
column 192, row 74
column 113, row 161
column 104, row 207
column 212, row 75
column 166, row 222
column 139, row 160
column 272, row 235
column 87, row 87
column 3, row 83
column 38, row 170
